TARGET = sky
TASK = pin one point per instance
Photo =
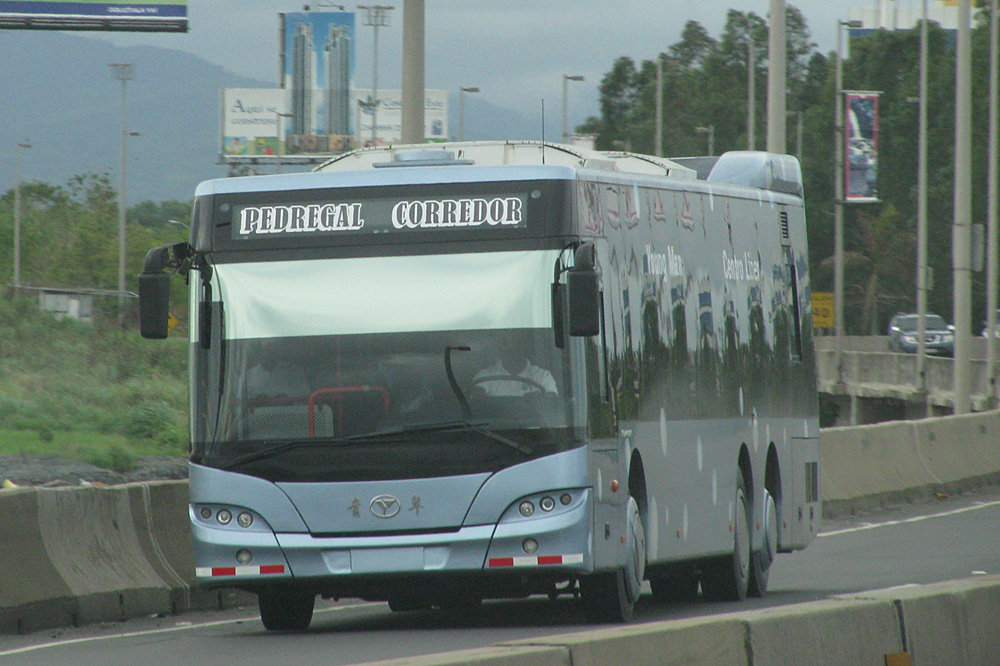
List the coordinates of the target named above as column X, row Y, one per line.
column 515, row 51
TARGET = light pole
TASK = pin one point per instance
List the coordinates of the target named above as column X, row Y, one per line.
column 838, row 184
column 962, row 225
column 922, row 209
column 278, row 115
column 461, row 109
column 658, row 135
column 122, row 72
column 566, row 79
column 376, row 16
column 17, row 213
column 991, row 197
column 751, row 97
column 710, row 131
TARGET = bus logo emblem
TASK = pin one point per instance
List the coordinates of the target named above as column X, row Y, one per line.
column 384, row 506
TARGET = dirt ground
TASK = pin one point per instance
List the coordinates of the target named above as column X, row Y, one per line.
column 53, row 471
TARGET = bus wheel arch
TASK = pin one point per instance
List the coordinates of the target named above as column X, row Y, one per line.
column 611, row 596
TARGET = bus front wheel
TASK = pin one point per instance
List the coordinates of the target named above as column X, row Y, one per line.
column 286, row 610
column 611, row 596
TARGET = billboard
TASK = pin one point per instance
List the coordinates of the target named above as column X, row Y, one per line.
column 257, row 123
column 317, row 65
column 253, row 121
column 860, row 147
column 389, row 116
column 142, row 16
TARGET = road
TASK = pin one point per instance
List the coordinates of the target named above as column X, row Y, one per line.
column 947, row 539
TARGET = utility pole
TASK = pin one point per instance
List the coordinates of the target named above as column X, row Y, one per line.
column 412, row 129
column 922, row 211
column 376, row 16
column 991, row 197
column 122, row 72
column 751, row 97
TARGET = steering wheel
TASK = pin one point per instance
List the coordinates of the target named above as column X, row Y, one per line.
column 507, row 378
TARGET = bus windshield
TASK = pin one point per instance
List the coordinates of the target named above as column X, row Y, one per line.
column 364, row 386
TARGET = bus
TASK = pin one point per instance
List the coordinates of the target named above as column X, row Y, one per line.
column 436, row 375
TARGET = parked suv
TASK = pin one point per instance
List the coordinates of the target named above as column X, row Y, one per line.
column 939, row 337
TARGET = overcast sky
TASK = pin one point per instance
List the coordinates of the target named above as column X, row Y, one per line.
column 515, row 51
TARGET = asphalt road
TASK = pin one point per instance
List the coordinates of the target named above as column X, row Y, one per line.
column 947, row 539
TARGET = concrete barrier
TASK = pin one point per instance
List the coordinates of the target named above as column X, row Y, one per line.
column 73, row 556
column 70, row 556
column 862, row 467
column 945, row 623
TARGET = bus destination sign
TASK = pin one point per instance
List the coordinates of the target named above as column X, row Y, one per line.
column 377, row 216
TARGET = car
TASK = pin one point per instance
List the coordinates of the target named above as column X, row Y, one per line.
column 939, row 337
column 996, row 326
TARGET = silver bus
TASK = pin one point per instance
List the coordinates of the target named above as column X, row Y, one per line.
column 434, row 375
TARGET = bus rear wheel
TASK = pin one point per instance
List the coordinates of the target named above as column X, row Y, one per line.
column 727, row 578
column 286, row 610
column 611, row 596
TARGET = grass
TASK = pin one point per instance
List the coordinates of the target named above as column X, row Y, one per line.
column 95, row 393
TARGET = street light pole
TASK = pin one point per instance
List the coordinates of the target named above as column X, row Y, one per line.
column 751, row 97
column 278, row 115
column 17, row 213
column 838, row 182
column 922, row 210
column 122, row 72
column 461, row 109
column 991, row 238
column 376, row 16
column 567, row 78
column 710, row 131
column 962, row 226
column 658, row 137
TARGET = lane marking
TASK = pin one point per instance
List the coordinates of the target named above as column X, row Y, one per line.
column 914, row 519
column 180, row 626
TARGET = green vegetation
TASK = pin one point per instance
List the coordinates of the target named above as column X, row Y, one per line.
column 90, row 392
column 705, row 82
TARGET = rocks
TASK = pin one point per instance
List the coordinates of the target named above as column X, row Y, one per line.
column 54, row 471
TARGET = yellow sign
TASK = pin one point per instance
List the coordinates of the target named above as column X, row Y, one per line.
column 822, row 302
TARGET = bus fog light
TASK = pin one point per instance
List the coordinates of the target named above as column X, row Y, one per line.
column 530, row 546
column 526, row 508
column 547, row 503
column 244, row 519
column 224, row 517
column 244, row 557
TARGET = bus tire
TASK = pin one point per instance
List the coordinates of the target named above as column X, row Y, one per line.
column 286, row 610
column 727, row 578
column 610, row 597
column 761, row 559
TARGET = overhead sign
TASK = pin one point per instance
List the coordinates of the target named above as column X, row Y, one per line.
column 861, row 127
column 143, row 16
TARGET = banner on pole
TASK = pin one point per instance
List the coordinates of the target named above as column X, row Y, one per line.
column 861, row 127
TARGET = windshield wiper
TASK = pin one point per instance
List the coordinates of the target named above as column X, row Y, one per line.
column 420, row 428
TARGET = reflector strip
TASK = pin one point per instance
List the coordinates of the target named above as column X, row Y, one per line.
column 266, row 569
column 531, row 561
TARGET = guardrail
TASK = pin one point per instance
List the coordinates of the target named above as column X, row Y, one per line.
column 859, row 368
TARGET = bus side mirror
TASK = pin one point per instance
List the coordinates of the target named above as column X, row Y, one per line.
column 154, row 296
column 583, row 285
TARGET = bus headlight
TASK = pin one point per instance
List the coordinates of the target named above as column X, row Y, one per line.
column 526, row 508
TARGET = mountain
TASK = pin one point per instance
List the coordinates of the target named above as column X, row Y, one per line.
column 60, row 94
